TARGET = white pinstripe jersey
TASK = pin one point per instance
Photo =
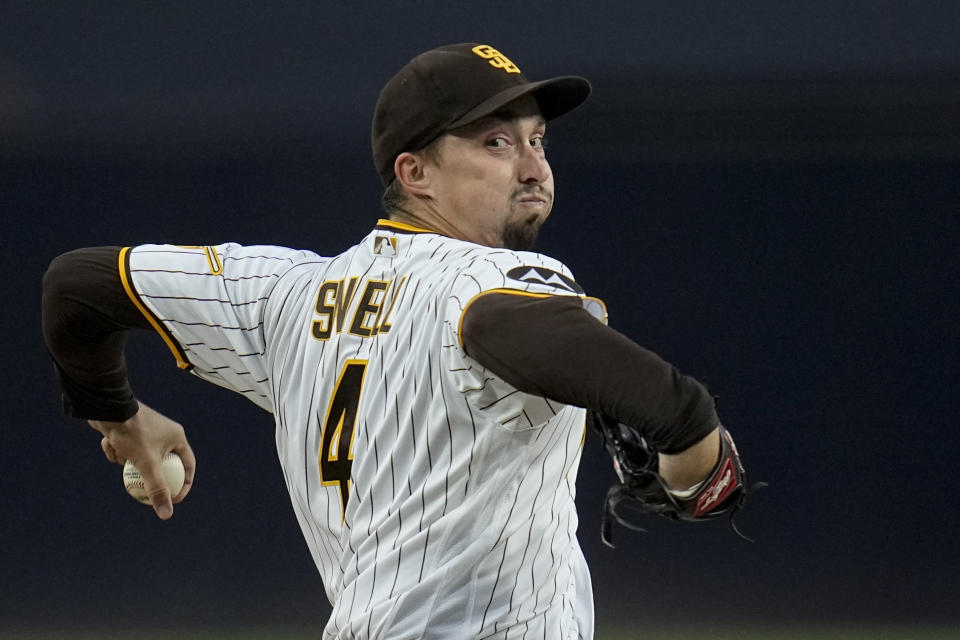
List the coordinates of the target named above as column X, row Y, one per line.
column 436, row 499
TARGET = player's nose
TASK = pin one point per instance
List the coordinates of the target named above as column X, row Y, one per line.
column 533, row 167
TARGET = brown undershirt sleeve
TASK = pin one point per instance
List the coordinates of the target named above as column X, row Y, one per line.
column 86, row 316
column 550, row 346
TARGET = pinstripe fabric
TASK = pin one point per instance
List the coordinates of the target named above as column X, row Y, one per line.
column 460, row 519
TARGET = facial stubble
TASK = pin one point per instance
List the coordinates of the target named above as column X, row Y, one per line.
column 522, row 235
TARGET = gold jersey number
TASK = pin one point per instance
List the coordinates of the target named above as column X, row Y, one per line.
column 336, row 439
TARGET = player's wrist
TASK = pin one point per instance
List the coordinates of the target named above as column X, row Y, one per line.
column 685, row 470
column 109, row 426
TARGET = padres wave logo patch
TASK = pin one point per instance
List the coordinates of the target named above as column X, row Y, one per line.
column 544, row 276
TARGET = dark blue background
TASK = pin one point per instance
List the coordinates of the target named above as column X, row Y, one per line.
column 766, row 196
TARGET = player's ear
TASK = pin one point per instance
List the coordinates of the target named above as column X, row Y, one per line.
column 412, row 172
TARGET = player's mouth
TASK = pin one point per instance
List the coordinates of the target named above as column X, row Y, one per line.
column 533, row 201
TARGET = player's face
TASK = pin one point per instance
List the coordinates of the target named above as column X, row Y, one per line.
column 492, row 180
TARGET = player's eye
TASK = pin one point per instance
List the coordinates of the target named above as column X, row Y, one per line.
column 538, row 142
column 498, row 142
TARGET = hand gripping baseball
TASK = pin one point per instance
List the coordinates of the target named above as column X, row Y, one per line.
column 144, row 439
column 642, row 489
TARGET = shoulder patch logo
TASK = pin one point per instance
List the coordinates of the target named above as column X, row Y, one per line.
column 548, row 277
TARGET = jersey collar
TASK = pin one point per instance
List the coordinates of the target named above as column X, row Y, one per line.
column 399, row 227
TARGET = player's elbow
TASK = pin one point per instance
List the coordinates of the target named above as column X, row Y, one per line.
column 70, row 278
column 60, row 276
column 55, row 292
column 55, row 277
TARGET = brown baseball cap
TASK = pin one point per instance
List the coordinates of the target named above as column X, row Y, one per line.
column 452, row 86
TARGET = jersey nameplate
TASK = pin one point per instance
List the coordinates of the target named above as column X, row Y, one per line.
column 369, row 311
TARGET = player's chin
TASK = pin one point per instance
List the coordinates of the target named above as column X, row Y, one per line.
column 522, row 232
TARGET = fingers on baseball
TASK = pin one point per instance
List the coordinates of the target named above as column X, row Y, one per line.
column 156, row 487
column 189, row 468
column 162, row 504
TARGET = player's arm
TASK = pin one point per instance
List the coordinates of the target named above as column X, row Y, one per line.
column 86, row 317
column 550, row 346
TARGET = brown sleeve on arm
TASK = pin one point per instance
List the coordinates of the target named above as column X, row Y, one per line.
column 550, row 346
column 86, row 315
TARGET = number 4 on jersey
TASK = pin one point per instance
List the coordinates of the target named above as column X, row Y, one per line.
column 336, row 439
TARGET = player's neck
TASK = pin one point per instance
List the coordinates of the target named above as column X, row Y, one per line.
column 428, row 219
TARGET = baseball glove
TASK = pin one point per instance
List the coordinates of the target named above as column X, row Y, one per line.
column 643, row 490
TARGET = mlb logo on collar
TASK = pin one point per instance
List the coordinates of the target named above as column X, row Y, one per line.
column 385, row 246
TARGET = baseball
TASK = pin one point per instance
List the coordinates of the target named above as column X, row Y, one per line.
column 173, row 474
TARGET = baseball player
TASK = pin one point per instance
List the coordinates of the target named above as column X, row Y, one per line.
column 428, row 384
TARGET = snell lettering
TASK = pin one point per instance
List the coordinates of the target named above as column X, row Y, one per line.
column 341, row 305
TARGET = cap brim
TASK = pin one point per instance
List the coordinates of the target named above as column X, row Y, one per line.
column 555, row 96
